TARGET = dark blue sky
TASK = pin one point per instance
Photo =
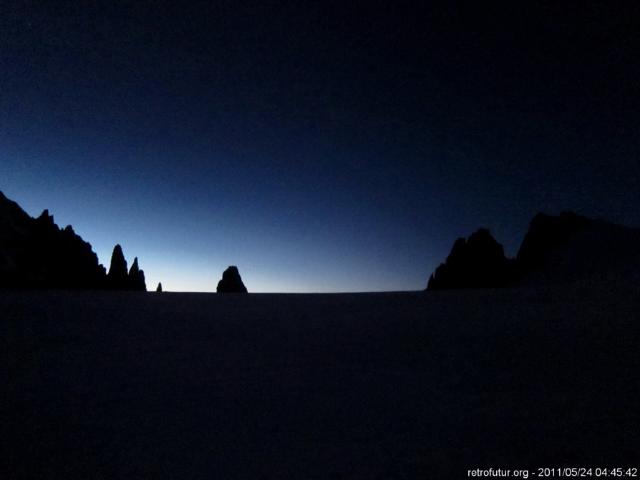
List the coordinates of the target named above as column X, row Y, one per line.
column 329, row 146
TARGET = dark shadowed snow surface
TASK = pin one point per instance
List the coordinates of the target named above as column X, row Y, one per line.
column 411, row 385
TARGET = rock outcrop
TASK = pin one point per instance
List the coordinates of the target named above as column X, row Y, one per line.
column 231, row 282
column 36, row 253
column 477, row 262
column 556, row 250
column 118, row 278
column 569, row 248
column 546, row 233
column 136, row 278
column 159, row 287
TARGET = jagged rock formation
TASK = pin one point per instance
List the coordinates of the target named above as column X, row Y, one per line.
column 36, row 253
column 570, row 248
column 555, row 250
column 136, row 278
column 159, row 287
column 477, row 262
column 545, row 234
column 118, row 277
column 231, row 282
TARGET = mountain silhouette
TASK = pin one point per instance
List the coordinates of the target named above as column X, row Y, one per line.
column 231, row 282
column 477, row 262
column 36, row 253
column 570, row 248
column 555, row 250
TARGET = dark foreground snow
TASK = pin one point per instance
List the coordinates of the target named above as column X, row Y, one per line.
column 130, row 385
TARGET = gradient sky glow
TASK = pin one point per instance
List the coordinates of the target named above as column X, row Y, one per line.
column 319, row 147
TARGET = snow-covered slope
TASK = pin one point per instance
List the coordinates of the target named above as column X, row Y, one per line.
column 414, row 385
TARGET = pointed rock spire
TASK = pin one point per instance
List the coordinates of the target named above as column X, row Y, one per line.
column 159, row 288
column 136, row 277
column 134, row 267
column 45, row 217
column 141, row 284
column 117, row 277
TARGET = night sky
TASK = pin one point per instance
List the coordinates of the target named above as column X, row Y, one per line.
column 326, row 146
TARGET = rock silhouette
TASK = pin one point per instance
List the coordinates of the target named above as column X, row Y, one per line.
column 118, row 278
column 231, row 282
column 570, row 248
column 546, row 233
column 159, row 287
column 36, row 253
column 477, row 262
column 555, row 250
column 136, row 278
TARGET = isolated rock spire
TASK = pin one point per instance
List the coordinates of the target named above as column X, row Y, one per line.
column 231, row 281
